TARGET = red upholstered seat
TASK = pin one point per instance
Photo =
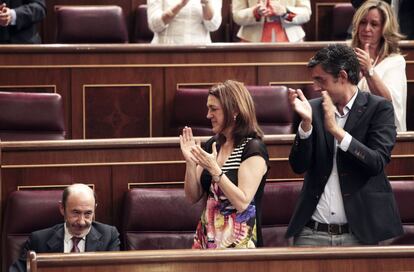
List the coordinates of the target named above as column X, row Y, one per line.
column 159, row 219
column 273, row 110
column 278, row 203
column 341, row 20
column 91, row 24
column 142, row 32
column 27, row 211
column 310, row 92
column 164, row 219
column 31, row 116
column 190, row 110
column 404, row 194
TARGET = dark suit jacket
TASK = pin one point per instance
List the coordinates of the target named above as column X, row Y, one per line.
column 369, row 203
column 28, row 13
column 101, row 237
column 405, row 18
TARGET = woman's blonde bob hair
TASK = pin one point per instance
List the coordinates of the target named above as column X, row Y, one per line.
column 239, row 111
column 390, row 28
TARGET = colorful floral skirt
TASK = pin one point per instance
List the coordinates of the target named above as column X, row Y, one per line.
column 221, row 226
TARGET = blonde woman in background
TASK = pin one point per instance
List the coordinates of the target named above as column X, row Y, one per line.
column 375, row 38
column 271, row 20
column 183, row 21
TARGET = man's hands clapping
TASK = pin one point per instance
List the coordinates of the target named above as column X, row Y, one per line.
column 329, row 110
column 302, row 107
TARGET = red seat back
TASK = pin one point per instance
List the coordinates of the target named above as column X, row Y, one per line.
column 91, row 24
column 273, row 111
column 27, row 211
column 31, row 116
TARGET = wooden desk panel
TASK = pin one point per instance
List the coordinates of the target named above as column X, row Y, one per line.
column 115, row 165
column 87, row 75
column 359, row 259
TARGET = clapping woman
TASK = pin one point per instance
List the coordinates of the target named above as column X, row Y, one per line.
column 183, row 21
column 229, row 173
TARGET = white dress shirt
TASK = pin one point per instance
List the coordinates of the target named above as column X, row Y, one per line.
column 330, row 208
column 13, row 17
column 68, row 243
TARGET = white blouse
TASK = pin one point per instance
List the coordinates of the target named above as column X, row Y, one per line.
column 392, row 72
column 187, row 27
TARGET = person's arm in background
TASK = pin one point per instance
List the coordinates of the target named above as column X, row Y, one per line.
column 158, row 19
column 395, row 80
column 299, row 13
column 246, row 14
column 395, row 75
column 392, row 85
column 211, row 14
column 26, row 15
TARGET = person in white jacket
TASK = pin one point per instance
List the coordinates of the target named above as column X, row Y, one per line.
column 375, row 38
column 183, row 21
column 271, row 20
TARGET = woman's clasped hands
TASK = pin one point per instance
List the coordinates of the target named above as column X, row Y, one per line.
column 271, row 8
column 193, row 153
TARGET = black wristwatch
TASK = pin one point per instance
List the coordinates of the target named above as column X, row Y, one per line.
column 216, row 179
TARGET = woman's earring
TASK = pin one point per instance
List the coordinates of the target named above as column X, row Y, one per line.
column 234, row 117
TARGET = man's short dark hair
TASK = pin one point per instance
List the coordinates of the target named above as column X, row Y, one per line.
column 337, row 57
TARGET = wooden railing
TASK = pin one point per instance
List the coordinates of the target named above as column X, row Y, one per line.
column 359, row 259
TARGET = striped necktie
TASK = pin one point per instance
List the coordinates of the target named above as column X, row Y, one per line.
column 75, row 241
